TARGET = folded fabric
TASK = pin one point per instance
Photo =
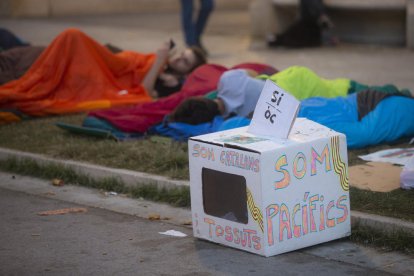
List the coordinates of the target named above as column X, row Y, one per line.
column 96, row 123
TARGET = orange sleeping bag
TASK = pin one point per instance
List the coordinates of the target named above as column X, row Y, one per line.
column 75, row 73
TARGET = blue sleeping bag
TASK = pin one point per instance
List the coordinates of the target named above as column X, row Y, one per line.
column 393, row 118
column 182, row 131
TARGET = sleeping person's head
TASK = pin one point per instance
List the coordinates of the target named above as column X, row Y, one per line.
column 195, row 110
column 186, row 61
column 237, row 94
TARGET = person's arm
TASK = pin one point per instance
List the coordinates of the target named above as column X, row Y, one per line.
column 157, row 67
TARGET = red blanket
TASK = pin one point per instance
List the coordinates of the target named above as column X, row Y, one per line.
column 142, row 116
column 75, row 73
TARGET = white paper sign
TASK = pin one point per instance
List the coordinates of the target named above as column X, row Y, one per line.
column 275, row 112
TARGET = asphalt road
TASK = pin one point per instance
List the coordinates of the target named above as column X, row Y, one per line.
column 100, row 241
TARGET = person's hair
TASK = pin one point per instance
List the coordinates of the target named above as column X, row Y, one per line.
column 200, row 55
column 194, row 111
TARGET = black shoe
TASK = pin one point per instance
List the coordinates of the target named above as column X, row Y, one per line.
column 300, row 34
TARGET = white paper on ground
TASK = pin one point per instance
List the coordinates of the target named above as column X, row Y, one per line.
column 173, row 233
column 275, row 112
column 407, row 175
column 398, row 156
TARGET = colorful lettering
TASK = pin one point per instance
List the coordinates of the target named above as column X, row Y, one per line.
column 219, row 231
column 325, row 156
column 312, row 207
column 256, row 243
column 284, row 222
column 343, row 207
column 299, row 173
column 321, row 215
column 284, row 182
column 203, row 152
column 240, row 160
column 330, row 222
column 296, row 228
column 305, row 224
column 229, row 234
column 271, row 211
column 236, row 236
column 245, row 238
column 210, row 222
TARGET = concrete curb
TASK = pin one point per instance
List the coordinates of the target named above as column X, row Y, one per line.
column 134, row 179
column 381, row 223
column 128, row 177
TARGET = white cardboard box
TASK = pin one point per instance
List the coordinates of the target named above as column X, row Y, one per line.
column 270, row 196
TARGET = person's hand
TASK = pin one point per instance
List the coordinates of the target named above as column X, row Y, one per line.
column 169, row 80
column 163, row 52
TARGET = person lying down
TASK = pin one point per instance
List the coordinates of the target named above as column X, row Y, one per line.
column 75, row 73
column 366, row 115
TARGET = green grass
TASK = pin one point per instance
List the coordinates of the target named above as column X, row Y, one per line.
column 398, row 203
column 155, row 154
column 399, row 241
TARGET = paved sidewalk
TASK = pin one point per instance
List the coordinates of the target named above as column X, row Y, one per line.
column 115, row 237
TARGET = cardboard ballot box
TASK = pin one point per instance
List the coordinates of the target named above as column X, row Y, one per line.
column 270, row 196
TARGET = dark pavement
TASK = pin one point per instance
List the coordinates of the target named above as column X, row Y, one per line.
column 103, row 242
